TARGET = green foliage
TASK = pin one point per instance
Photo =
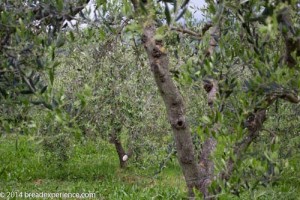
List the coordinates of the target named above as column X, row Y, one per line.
column 248, row 65
column 63, row 93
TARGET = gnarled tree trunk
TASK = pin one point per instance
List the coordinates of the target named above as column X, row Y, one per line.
column 175, row 106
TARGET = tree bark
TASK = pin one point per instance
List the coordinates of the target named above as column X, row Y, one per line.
column 118, row 145
column 175, row 107
column 206, row 165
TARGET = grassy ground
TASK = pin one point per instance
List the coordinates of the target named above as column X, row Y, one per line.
column 93, row 168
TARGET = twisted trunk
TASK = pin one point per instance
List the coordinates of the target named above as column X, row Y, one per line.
column 175, row 107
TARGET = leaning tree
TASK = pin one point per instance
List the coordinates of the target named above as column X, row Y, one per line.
column 250, row 61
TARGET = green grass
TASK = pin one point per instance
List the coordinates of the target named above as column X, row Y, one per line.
column 92, row 167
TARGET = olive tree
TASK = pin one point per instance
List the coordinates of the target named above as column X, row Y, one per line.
column 30, row 33
column 257, row 91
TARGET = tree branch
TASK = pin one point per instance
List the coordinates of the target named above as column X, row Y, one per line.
column 44, row 11
column 254, row 124
column 189, row 32
column 292, row 42
column 195, row 35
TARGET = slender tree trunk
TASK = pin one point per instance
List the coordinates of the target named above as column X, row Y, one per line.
column 116, row 126
column 118, row 145
column 212, row 89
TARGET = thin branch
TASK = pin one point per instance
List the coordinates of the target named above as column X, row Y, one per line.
column 189, row 32
column 195, row 35
column 269, row 131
